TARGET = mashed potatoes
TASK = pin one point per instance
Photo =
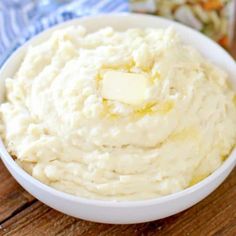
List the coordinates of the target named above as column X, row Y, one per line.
column 118, row 115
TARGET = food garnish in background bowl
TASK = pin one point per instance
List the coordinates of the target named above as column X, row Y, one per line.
column 215, row 18
column 124, row 114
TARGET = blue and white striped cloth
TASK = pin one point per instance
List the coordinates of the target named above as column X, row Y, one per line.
column 22, row 19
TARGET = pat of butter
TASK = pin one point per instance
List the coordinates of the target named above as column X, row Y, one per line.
column 129, row 88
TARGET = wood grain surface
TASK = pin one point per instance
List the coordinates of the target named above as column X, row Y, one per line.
column 21, row 214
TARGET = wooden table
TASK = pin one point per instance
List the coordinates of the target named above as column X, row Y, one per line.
column 21, row 214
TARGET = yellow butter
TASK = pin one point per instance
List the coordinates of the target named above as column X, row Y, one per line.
column 129, row 88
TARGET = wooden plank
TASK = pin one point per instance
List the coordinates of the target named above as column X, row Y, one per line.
column 13, row 198
column 216, row 215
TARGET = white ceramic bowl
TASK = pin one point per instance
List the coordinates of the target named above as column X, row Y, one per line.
column 124, row 211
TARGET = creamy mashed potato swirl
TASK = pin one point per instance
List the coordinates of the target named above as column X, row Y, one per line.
column 65, row 127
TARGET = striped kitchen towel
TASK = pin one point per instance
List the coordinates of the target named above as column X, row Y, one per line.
column 22, row 19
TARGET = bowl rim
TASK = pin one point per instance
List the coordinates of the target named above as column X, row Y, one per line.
column 230, row 162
